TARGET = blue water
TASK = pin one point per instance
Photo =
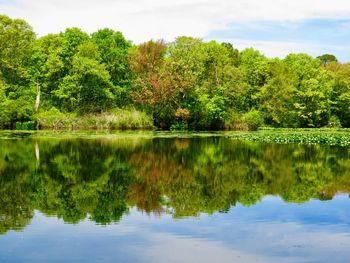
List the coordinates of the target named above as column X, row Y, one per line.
column 271, row 231
column 45, row 217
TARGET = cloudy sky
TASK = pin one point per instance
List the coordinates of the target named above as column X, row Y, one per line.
column 276, row 27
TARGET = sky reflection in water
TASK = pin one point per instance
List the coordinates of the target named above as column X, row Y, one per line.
column 271, row 231
column 186, row 226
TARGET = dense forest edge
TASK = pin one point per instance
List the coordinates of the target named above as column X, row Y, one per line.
column 73, row 80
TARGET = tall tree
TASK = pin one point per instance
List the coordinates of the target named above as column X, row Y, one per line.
column 87, row 88
column 153, row 87
column 72, row 39
column 327, row 58
column 340, row 96
column 113, row 49
column 46, row 68
column 276, row 96
column 312, row 93
column 234, row 54
column 219, row 87
column 16, row 39
column 254, row 68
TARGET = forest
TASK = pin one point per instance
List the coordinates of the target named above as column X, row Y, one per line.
column 103, row 81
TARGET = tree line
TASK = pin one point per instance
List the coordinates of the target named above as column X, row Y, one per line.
column 185, row 84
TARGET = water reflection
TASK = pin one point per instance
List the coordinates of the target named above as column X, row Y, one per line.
column 102, row 179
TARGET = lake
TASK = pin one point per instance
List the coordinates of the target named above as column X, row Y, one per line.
column 165, row 198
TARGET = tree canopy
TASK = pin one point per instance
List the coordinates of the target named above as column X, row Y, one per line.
column 185, row 84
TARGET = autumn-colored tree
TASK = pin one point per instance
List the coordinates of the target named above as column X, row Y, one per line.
column 155, row 87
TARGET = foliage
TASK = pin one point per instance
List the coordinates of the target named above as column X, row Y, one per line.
column 154, row 85
column 334, row 122
column 179, row 126
column 327, row 137
column 53, row 119
column 340, row 95
column 235, row 121
column 253, row 119
column 16, row 39
column 186, row 84
column 101, row 179
column 276, row 96
column 327, row 58
column 114, row 50
column 312, row 91
column 250, row 121
column 117, row 119
column 29, row 125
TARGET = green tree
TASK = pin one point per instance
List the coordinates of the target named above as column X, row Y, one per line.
column 254, row 68
column 113, row 49
column 87, row 88
column 327, row 58
column 209, row 81
column 220, row 85
column 4, row 116
column 16, row 39
column 276, row 96
column 72, row 39
column 234, row 54
column 340, row 92
column 46, row 68
column 312, row 91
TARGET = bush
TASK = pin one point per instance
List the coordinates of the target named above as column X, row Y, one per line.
column 253, row 119
column 235, row 122
column 334, row 122
column 54, row 119
column 179, row 126
column 250, row 121
column 25, row 126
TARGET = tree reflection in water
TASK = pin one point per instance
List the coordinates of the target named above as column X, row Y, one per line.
column 101, row 179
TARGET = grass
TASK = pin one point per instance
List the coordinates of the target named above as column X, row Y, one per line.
column 116, row 120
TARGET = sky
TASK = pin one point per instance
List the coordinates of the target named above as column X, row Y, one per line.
column 275, row 27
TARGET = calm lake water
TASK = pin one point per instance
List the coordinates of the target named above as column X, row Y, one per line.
column 151, row 199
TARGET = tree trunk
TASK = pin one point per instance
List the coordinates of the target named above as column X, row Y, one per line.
column 37, row 100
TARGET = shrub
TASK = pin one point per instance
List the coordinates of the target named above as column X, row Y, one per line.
column 182, row 114
column 236, row 122
column 54, row 119
column 249, row 121
column 334, row 122
column 253, row 119
column 25, row 126
column 179, row 126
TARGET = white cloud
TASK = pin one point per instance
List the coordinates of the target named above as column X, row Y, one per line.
column 141, row 20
